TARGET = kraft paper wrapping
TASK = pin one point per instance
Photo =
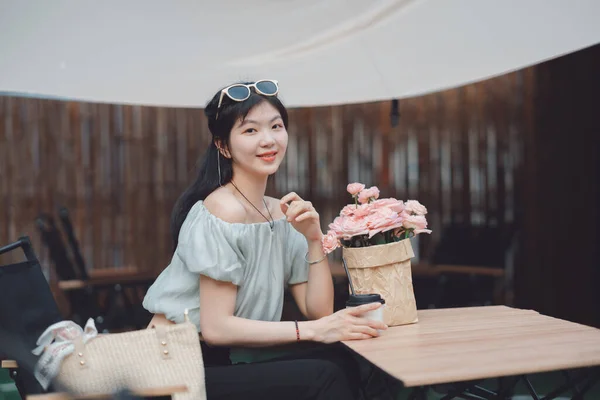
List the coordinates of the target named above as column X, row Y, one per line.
column 385, row 269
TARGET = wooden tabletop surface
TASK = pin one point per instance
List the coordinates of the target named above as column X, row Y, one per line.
column 460, row 344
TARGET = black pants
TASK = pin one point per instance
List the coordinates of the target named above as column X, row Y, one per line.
column 323, row 372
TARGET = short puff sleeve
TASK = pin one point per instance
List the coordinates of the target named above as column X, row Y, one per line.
column 297, row 249
column 209, row 246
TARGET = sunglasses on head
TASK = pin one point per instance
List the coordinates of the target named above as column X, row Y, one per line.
column 241, row 92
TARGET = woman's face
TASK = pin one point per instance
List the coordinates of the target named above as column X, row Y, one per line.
column 257, row 144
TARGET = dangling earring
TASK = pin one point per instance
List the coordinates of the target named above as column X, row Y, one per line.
column 219, row 165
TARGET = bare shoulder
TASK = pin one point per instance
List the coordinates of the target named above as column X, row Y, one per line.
column 224, row 205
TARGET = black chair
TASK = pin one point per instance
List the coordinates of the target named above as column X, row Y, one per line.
column 128, row 283
column 26, row 310
column 82, row 298
column 472, row 264
column 109, row 295
column 128, row 276
column 65, row 220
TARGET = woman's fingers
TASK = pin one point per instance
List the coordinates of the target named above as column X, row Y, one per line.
column 378, row 325
column 285, row 202
column 296, row 208
column 293, row 196
column 357, row 311
column 366, row 329
column 358, row 336
column 307, row 215
column 284, row 207
column 357, row 318
column 294, row 204
column 358, row 321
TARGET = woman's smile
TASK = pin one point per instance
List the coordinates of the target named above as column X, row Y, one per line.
column 268, row 156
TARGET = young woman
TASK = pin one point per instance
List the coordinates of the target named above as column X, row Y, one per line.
column 236, row 250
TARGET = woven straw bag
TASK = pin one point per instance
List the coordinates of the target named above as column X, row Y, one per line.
column 168, row 355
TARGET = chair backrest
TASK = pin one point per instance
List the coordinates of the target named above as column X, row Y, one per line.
column 83, row 302
column 52, row 239
column 65, row 220
column 27, row 306
column 465, row 244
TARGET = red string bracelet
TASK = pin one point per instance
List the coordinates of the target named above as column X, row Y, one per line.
column 297, row 331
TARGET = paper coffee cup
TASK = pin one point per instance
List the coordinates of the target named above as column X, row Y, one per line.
column 360, row 299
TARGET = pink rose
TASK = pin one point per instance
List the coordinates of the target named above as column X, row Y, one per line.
column 330, row 242
column 415, row 222
column 363, row 210
column 352, row 210
column 392, row 204
column 395, row 224
column 355, row 188
column 351, row 226
column 382, row 220
column 348, row 210
column 381, row 214
column 336, row 226
column 414, row 207
column 367, row 194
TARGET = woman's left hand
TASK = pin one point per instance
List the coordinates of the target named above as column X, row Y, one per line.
column 302, row 215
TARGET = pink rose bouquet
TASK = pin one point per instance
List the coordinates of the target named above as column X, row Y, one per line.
column 374, row 221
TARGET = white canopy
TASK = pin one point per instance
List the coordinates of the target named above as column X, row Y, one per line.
column 179, row 53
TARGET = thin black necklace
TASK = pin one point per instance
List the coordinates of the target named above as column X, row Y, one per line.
column 271, row 222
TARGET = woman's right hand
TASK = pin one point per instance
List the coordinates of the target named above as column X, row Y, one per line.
column 347, row 324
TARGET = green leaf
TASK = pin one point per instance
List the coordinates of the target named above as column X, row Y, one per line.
column 390, row 236
column 378, row 239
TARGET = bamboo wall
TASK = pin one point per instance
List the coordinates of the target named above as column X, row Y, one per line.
column 119, row 169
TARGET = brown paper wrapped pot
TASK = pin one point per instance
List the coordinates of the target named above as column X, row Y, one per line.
column 385, row 269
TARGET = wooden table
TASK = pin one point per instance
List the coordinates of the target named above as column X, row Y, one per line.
column 465, row 344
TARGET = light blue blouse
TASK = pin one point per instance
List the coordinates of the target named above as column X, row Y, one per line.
column 257, row 260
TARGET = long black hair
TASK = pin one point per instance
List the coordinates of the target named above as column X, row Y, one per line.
column 207, row 179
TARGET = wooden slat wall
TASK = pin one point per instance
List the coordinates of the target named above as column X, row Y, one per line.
column 119, row 169
column 559, row 269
